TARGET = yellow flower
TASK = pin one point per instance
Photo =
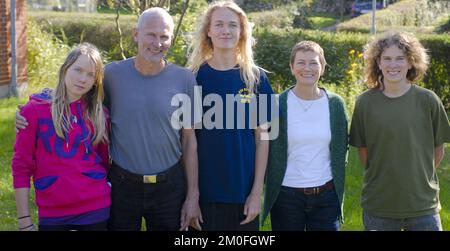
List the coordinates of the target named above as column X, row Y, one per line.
column 360, row 55
column 351, row 52
column 354, row 65
column 350, row 72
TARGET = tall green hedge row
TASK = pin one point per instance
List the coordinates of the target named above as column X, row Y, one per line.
column 272, row 50
column 274, row 45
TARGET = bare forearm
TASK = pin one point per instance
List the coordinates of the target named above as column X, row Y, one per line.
column 262, row 151
column 190, row 161
column 362, row 151
column 22, row 201
column 25, row 222
column 438, row 155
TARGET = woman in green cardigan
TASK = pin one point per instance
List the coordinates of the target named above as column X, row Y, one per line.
column 306, row 169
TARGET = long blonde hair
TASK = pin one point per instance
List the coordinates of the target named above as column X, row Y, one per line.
column 94, row 98
column 408, row 43
column 203, row 47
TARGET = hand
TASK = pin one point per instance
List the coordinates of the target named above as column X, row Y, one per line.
column 191, row 215
column 252, row 208
column 20, row 122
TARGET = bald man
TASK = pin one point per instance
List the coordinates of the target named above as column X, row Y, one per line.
column 154, row 173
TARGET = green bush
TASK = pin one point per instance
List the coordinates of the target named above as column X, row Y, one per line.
column 45, row 55
column 277, row 18
column 100, row 30
column 273, row 50
column 444, row 25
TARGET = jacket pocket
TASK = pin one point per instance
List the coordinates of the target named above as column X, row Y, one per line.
column 96, row 175
column 45, row 182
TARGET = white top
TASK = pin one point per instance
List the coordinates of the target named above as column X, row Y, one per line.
column 309, row 137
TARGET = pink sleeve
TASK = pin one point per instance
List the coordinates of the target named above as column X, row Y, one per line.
column 24, row 159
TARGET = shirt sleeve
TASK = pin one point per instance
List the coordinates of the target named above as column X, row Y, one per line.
column 441, row 126
column 24, row 158
column 357, row 138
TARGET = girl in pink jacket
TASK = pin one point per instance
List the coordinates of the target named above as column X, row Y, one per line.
column 64, row 149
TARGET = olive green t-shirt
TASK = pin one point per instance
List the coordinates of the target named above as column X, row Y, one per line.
column 400, row 135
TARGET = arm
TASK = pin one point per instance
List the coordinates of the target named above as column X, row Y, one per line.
column 23, row 167
column 21, row 122
column 23, row 209
column 438, row 155
column 190, row 213
column 253, row 203
column 362, row 151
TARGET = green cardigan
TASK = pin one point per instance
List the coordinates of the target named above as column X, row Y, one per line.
column 277, row 163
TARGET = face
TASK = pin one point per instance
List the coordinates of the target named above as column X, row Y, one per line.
column 306, row 67
column 80, row 77
column 224, row 29
column 394, row 65
column 153, row 38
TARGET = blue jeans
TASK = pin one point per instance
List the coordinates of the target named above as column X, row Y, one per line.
column 295, row 211
column 431, row 222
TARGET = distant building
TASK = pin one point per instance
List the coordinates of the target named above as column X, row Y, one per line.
column 5, row 46
column 64, row 5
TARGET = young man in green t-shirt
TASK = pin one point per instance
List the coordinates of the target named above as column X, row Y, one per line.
column 399, row 129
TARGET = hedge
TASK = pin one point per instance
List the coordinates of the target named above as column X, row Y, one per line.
column 272, row 50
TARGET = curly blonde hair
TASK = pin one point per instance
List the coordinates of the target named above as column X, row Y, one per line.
column 203, row 48
column 414, row 51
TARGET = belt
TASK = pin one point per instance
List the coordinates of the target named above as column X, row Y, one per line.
column 145, row 179
column 316, row 190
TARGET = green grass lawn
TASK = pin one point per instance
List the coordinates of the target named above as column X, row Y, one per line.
column 352, row 209
column 320, row 20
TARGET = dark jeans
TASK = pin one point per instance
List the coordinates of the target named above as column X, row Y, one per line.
column 159, row 203
column 225, row 217
column 100, row 226
column 296, row 211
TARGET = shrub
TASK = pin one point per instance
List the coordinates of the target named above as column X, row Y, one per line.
column 277, row 18
column 273, row 50
column 444, row 25
column 45, row 55
column 99, row 29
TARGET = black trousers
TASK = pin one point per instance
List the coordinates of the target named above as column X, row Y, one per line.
column 226, row 217
column 158, row 203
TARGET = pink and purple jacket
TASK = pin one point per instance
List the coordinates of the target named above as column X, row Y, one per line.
column 69, row 175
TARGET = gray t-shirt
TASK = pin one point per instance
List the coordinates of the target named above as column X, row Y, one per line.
column 143, row 140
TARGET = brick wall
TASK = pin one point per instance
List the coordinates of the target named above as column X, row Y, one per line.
column 5, row 43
